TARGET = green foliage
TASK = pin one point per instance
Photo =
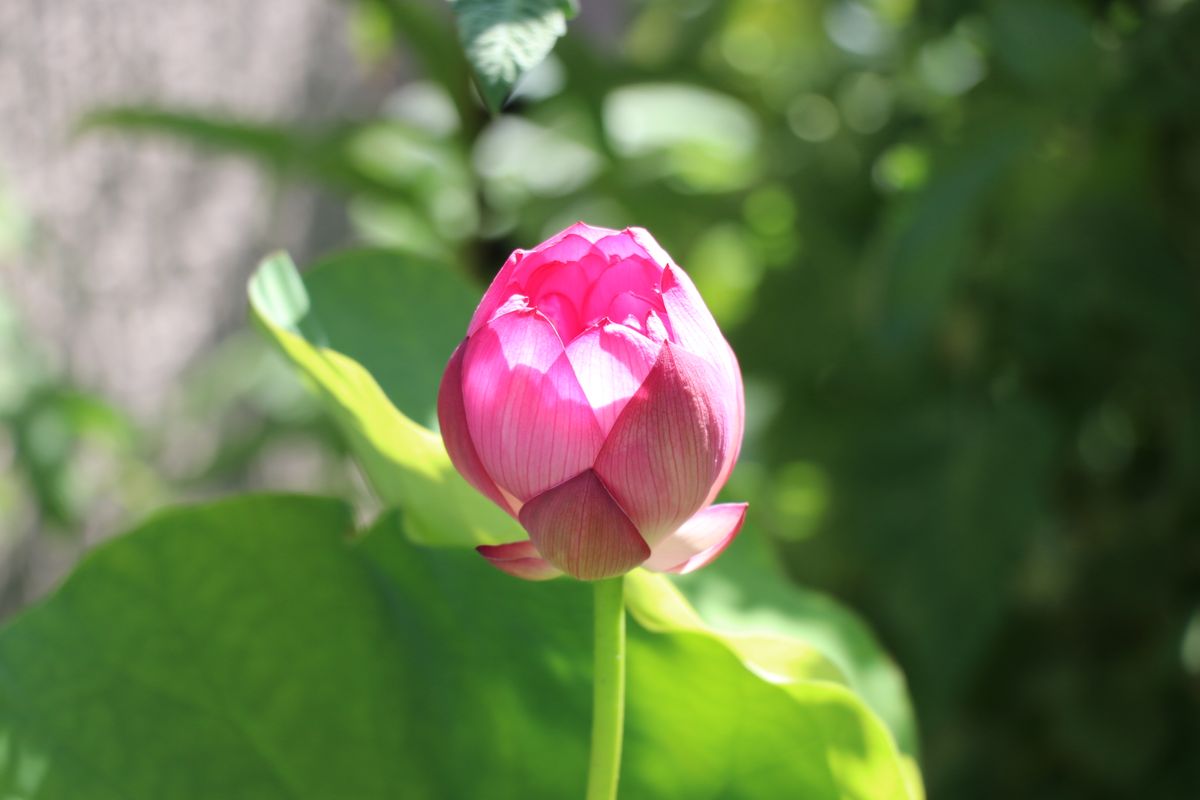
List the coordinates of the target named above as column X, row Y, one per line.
column 258, row 648
column 370, row 316
column 504, row 39
column 955, row 248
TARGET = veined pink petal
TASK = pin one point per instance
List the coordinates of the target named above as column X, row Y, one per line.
column 520, row 559
column 667, row 447
column 611, row 362
column 457, row 435
column 699, row 540
column 579, row 528
column 529, row 419
column 693, row 327
column 734, row 432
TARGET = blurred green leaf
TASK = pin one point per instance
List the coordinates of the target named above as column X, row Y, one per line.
column 253, row 649
column 333, row 157
column 504, row 39
column 398, row 317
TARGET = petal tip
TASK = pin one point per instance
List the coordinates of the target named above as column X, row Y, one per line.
column 519, row 559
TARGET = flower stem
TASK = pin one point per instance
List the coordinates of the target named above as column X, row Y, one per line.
column 608, row 699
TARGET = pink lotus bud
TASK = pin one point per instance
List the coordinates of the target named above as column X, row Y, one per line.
column 596, row 401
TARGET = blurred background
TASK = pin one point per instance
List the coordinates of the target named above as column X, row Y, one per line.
column 955, row 244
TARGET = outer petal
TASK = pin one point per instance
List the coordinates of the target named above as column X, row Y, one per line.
column 667, row 448
column 529, row 419
column 611, row 362
column 579, row 528
column 519, row 559
column 456, row 434
column 735, row 431
column 699, row 540
column 693, row 328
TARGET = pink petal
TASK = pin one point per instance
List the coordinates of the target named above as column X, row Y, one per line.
column 457, row 435
column 611, row 362
column 693, row 327
column 519, row 559
column 501, row 287
column 498, row 292
column 529, row 419
column 579, row 528
column 699, row 540
column 634, row 275
column 548, row 260
column 621, row 244
column 736, row 430
column 691, row 321
column 665, row 451
column 648, row 243
column 562, row 313
column 631, row 309
column 582, row 230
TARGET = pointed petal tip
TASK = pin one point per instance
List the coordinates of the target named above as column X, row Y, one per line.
column 699, row 540
column 519, row 559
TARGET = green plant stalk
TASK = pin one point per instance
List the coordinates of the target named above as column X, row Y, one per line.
column 608, row 690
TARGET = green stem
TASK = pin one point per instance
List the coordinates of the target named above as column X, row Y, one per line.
column 608, row 698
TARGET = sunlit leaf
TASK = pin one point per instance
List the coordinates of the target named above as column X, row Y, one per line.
column 252, row 649
column 371, row 317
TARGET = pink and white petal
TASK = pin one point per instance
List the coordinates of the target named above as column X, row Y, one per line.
column 529, row 419
column 699, row 540
column 611, row 362
column 519, row 559
column 578, row 527
column 667, row 447
column 456, row 434
column 498, row 292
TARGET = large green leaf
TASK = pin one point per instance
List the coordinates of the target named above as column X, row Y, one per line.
column 504, row 39
column 255, row 649
column 745, row 592
column 377, row 313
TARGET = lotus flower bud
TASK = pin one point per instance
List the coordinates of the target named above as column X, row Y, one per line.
column 595, row 400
